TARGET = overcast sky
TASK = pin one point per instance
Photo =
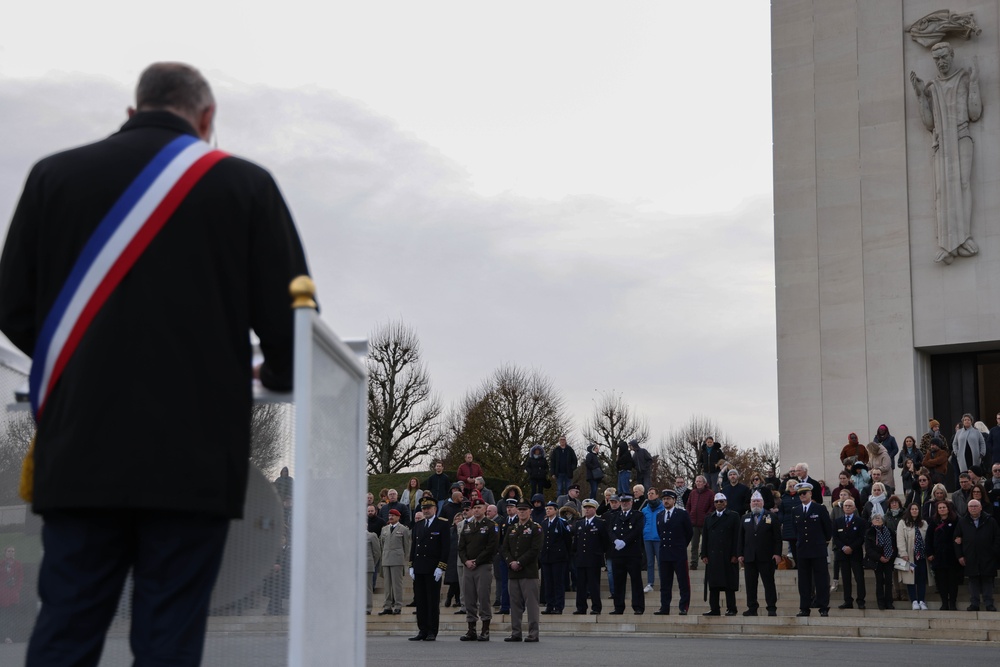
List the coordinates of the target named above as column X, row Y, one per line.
column 583, row 188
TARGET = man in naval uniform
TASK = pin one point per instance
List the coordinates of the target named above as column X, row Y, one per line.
column 428, row 561
column 673, row 525
column 813, row 530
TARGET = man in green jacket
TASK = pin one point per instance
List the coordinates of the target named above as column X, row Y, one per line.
column 521, row 548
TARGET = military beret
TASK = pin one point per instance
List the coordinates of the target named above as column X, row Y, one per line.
column 477, row 502
column 395, row 512
column 522, row 505
column 574, row 486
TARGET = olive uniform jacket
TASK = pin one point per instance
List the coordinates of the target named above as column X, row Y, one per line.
column 523, row 544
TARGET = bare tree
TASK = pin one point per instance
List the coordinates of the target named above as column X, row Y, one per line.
column 403, row 415
column 14, row 442
column 770, row 457
column 268, row 444
column 500, row 420
column 614, row 421
column 680, row 450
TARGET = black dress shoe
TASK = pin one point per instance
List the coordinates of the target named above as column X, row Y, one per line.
column 512, row 639
column 579, row 612
column 846, row 605
column 546, row 612
column 972, row 607
column 638, row 612
column 712, row 613
column 419, row 638
column 430, row 638
column 772, row 612
column 460, row 611
column 595, row 612
column 617, row 612
column 385, row 612
column 397, row 612
column 750, row 612
column 557, row 612
column 730, row 612
column 990, row 607
column 683, row 612
column 802, row 614
column 661, row 612
column 861, row 605
column 824, row 612
column 529, row 640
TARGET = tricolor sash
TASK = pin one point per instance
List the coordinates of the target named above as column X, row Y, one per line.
column 119, row 240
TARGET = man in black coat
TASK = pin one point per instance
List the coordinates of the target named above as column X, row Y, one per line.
column 590, row 544
column 759, row 549
column 643, row 462
column 673, row 525
column 737, row 493
column 558, row 537
column 813, row 530
column 625, row 531
column 112, row 459
column 720, row 541
column 848, row 547
column 428, row 560
column 711, row 454
column 977, row 543
column 562, row 465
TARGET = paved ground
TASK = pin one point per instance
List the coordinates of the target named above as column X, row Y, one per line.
column 574, row 651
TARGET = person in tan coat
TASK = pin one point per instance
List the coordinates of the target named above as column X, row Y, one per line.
column 395, row 541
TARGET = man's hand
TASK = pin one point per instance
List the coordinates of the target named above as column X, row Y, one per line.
column 848, row 551
column 438, row 573
column 470, row 565
column 961, row 561
column 741, row 560
column 411, row 574
column 619, row 545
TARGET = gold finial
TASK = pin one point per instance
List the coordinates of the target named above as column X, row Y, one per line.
column 303, row 289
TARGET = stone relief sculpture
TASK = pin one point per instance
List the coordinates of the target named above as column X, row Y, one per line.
column 948, row 103
column 934, row 27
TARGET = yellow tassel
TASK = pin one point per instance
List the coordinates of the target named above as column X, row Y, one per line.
column 27, row 486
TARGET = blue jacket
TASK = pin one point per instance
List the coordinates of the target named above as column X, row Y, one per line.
column 649, row 532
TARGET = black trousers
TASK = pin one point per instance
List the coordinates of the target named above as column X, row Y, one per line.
column 174, row 558
column 813, row 577
column 763, row 570
column 589, row 578
column 853, row 568
column 668, row 568
column 632, row 567
column 713, row 599
column 883, row 584
column 947, row 584
column 553, row 576
column 427, row 595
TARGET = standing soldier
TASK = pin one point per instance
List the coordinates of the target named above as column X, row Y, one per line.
column 589, row 546
column 719, row 554
column 673, row 525
column 521, row 548
column 428, row 561
column 760, row 551
column 626, row 555
column 477, row 544
column 813, row 530
column 554, row 558
column 395, row 542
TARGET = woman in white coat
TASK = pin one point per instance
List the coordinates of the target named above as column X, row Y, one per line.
column 911, row 534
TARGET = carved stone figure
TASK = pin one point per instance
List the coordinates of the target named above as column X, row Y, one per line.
column 932, row 28
column 947, row 105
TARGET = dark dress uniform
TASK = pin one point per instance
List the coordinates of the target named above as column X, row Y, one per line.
column 627, row 527
column 675, row 533
column 428, row 551
column 558, row 538
column 813, row 530
column 590, row 544
column 759, row 542
column 851, row 533
column 719, row 546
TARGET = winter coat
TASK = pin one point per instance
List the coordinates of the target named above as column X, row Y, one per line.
column 536, row 466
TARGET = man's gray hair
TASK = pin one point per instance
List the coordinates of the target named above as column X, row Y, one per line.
column 804, row 466
column 173, row 86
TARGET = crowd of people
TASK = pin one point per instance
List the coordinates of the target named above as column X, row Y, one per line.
column 531, row 552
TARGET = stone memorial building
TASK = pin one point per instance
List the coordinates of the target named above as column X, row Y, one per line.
column 886, row 120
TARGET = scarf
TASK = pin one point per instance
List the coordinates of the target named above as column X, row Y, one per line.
column 918, row 544
column 883, row 539
column 876, row 502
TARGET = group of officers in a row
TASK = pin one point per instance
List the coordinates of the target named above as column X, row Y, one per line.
column 525, row 548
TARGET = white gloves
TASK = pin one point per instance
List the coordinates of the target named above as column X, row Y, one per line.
column 438, row 573
column 411, row 574
column 619, row 545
